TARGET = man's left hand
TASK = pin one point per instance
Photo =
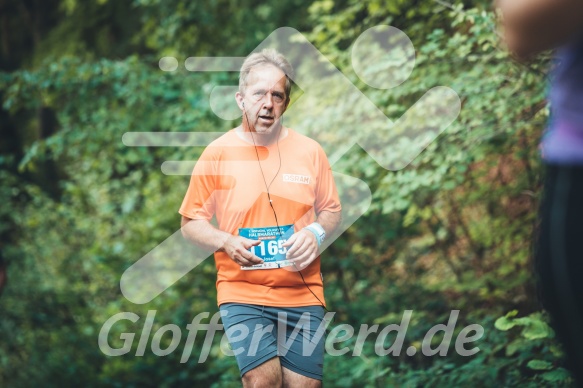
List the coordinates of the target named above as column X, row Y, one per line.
column 304, row 248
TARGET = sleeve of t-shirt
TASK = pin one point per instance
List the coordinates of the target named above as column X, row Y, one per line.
column 326, row 193
column 198, row 203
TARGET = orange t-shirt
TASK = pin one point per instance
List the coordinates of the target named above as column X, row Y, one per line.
column 227, row 181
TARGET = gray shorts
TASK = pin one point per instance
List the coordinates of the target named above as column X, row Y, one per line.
column 259, row 333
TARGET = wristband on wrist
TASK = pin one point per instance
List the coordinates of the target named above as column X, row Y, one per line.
column 318, row 231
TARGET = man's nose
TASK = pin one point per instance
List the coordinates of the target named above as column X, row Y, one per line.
column 268, row 102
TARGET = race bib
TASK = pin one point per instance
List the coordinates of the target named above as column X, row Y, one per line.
column 271, row 249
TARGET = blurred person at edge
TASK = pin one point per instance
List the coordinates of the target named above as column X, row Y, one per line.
column 529, row 27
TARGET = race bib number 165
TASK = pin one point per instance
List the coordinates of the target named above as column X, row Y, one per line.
column 271, row 248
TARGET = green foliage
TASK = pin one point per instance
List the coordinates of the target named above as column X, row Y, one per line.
column 533, row 326
column 534, row 347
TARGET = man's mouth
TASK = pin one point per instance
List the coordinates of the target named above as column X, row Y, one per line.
column 266, row 118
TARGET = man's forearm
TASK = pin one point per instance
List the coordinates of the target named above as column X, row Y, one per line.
column 203, row 234
column 329, row 221
column 206, row 236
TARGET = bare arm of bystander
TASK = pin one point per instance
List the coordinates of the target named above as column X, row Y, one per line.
column 532, row 26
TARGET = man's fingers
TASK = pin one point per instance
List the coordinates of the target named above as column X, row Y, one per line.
column 255, row 242
column 249, row 243
column 255, row 260
column 290, row 241
column 302, row 243
column 292, row 251
column 248, row 261
column 304, row 260
column 296, row 243
column 301, row 257
column 251, row 257
column 299, row 249
column 242, row 261
column 241, row 254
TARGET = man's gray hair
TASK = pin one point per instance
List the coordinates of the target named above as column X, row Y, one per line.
column 266, row 57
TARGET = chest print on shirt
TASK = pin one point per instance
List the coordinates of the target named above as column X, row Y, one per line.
column 295, row 178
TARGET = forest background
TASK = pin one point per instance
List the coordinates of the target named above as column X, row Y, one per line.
column 451, row 231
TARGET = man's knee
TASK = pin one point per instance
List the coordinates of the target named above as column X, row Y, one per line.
column 267, row 374
column 257, row 380
column 293, row 379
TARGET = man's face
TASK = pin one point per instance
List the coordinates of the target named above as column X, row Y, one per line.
column 265, row 99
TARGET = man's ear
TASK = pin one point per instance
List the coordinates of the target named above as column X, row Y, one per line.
column 239, row 99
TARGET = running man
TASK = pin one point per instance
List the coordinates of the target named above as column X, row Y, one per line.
column 272, row 192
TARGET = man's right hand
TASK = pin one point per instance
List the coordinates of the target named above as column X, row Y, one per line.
column 237, row 248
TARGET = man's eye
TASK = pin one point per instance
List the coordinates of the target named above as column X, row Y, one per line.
column 278, row 97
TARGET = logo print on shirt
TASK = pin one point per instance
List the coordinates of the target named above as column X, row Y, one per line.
column 294, row 178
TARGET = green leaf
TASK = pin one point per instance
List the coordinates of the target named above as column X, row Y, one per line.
column 515, row 346
column 559, row 374
column 504, row 323
column 537, row 329
column 539, row 365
